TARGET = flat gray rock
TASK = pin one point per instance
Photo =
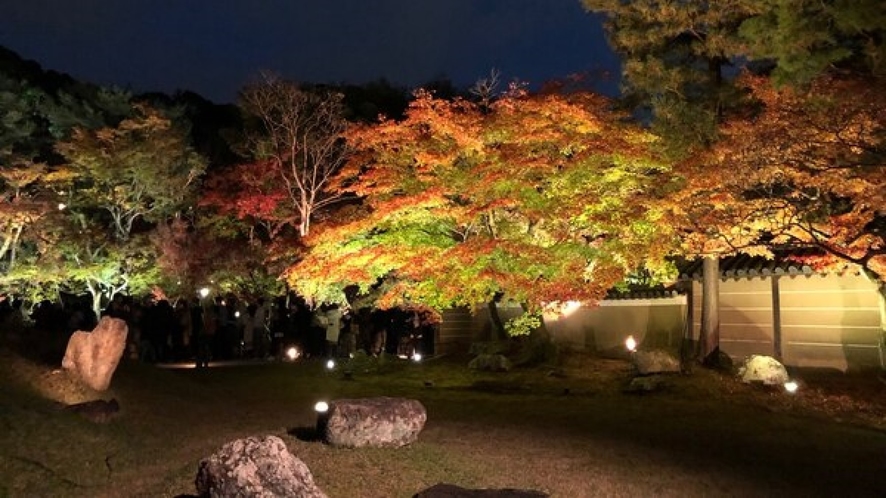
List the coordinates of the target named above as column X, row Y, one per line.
column 452, row 491
column 379, row 422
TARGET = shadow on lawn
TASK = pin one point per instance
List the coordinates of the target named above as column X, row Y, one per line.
column 306, row 434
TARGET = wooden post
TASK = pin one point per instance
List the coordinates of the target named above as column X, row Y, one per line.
column 710, row 307
column 776, row 318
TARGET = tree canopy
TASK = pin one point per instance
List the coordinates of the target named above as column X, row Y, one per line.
column 804, row 171
column 540, row 198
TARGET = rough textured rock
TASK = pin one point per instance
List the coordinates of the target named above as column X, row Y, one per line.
column 645, row 384
column 381, row 421
column 655, row 362
column 453, row 491
column 763, row 369
column 490, row 363
column 93, row 356
column 255, row 467
column 98, row 410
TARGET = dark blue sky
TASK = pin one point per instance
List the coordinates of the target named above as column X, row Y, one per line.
column 214, row 47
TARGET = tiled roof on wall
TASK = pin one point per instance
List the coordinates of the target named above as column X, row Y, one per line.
column 744, row 266
column 643, row 294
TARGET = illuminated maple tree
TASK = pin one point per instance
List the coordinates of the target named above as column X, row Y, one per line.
column 540, row 199
column 805, row 170
column 143, row 168
column 296, row 152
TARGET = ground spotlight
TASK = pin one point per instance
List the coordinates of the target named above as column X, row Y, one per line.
column 330, row 364
column 416, row 357
column 322, row 409
column 292, row 353
column 631, row 344
column 791, row 386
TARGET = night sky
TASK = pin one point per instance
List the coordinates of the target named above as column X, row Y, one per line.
column 214, row 47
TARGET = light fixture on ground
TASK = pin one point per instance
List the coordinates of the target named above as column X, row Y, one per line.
column 791, row 386
column 416, row 357
column 631, row 344
column 292, row 353
column 204, row 292
column 322, row 409
column 330, row 364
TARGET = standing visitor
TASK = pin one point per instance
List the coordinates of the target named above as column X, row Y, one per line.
column 333, row 329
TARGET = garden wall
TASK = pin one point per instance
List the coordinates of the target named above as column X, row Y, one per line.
column 803, row 318
column 603, row 328
column 810, row 320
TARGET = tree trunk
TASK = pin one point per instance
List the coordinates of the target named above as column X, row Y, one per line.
column 709, row 338
column 538, row 348
column 498, row 327
column 882, row 342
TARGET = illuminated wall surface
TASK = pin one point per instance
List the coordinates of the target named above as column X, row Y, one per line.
column 655, row 323
column 826, row 321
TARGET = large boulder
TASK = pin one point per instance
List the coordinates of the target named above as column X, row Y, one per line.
column 255, row 466
column 766, row 370
column 381, row 422
column 453, row 491
column 93, row 356
column 490, row 363
column 655, row 362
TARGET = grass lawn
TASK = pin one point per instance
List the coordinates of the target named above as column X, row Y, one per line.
column 573, row 434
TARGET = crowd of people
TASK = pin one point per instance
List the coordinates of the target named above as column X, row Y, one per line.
column 227, row 328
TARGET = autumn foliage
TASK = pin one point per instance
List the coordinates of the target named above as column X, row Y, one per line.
column 540, row 198
column 803, row 170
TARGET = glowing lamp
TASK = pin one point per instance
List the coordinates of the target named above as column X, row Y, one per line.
column 322, row 409
column 62, row 206
column 631, row 344
column 204, row 292
column 236, row 314
column 416, row 357
column 292, row 353
column 791, row 386
column 330, row 364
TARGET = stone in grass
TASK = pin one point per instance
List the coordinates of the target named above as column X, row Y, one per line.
column 655, row 362
column 490, row 363
column 453, row 491
column 761, row 369
column 99, row 410
column 255, row 466
column 378, row 422
column 645, row 384
column 93, row 356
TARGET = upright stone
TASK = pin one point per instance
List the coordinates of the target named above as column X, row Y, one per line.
column 382, row 421
column 255, row 466
column 93, row 356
